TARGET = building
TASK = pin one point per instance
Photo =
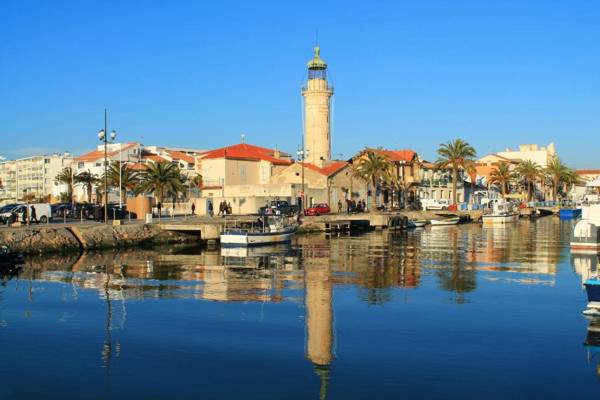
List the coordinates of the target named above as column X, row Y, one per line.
column 541, row 155
column 242, row 175
column 436, row 184
column 317, row 109
column 33, row 178
column 93, row 162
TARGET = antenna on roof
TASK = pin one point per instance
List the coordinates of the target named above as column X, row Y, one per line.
column 243, row 138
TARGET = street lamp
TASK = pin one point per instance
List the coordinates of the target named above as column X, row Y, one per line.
column 103, row 138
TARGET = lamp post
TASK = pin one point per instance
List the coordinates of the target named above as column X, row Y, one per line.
column 103, row 138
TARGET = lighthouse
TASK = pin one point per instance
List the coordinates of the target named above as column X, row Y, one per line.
column 317, row 108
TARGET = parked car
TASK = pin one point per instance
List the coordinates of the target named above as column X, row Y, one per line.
column 278, row 207
column 62, row 210
column 318, row 209
column 433, row 204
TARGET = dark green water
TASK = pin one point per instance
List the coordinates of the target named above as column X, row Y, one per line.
column 447, row 312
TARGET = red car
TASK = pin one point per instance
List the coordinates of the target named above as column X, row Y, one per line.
column 318, row 209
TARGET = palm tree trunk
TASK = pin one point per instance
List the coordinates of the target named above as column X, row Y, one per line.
column 454, row 184
column 503, row 186
column 374, row 194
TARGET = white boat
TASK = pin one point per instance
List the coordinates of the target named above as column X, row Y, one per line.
column 502, row 213
column 271, row 230
column 443, row 220
column 585, row 237
column 416, row 223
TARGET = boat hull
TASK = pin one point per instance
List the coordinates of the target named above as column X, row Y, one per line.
column 592, row 288
column 445, row 221
column 569, row 213
column 500, row 219
column 247, row 239
column 415, row 224
column 585, row 238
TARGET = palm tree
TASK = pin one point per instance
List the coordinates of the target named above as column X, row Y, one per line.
column 528, row 172
column 163, row 179
column 555, row 172
column 66, row 177
column 374, row 168
column 502, row 176
column 197, row 181
column 455, row 155
column 88, row 181
column 129, row 178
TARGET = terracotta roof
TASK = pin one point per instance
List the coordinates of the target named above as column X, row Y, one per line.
column 245, row 151
column 137, row 166
column 98, row 154
column 396, row 155
column 178, row 155
column 588, row 171
column 153, row 158
column 328, row 170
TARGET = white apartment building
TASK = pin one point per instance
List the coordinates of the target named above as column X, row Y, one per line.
column 32, row 176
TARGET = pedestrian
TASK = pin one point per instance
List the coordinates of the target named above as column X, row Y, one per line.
column 220, row 208
column 159, row 208
column 33, row 215
column 339, row 206
column 229, row 209
column 193, row 208
column 210, row 209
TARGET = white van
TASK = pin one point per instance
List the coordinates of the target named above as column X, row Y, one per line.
column 433, row 204
column 43, row 213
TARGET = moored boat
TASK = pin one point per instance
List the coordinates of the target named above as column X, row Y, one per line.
column 586, row 233
column 445, row 220
column 502, row 213
column 416, row 223
column 569, row 213
column 592, row 289
column 269, row 230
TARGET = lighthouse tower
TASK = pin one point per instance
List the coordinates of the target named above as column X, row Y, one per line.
column 317, row 104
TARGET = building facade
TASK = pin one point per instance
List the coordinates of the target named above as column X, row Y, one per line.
column 541, row 155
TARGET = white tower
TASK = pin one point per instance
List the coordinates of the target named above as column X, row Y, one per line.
column 317, row 104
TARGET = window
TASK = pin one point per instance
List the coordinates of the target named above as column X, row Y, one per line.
column 98, row 164
column 80, row 165
column 46, row 161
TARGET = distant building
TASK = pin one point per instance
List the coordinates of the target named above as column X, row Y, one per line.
column 32, row 177
column 436, row 184
column 541, row 155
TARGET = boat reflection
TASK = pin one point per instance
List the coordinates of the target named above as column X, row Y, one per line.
column 592, row 343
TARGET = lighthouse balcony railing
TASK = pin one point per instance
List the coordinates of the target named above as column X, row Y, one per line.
column 327, row 87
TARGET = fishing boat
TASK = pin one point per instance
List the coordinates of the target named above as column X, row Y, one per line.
column 502, row 213
column 416, row 223
column 445, row 219
column 265, row 231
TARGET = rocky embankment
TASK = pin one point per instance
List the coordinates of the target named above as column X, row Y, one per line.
column 87, row 237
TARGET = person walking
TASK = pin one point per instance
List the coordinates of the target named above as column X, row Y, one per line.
column 34, row 215
column 229, row 209
column 340, row 206
column 193, row 208
column 210, row 209
column 159, row 209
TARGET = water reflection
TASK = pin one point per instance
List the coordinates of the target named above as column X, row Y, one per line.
column 457, row 260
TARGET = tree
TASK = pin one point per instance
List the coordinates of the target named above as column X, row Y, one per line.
column 88, row 180
column 129, row 178
column 528, row 172
column 66, row 177
column 502, row 176
column 162, row 179
column 374, row 167
column 456, row 155
column 556, row 173
column 197, row 181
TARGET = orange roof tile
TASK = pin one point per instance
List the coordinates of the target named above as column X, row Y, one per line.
column 178, row 155
column 328, row 170
column 588, row 171
column 245, row 151
column 396, row 155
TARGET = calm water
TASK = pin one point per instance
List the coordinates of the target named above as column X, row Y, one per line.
column 453, row 312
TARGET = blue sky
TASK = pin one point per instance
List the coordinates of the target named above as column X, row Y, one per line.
column 407, row 74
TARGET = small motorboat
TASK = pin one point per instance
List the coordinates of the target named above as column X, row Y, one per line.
column 267, row 230
column 445, row 219
column 416, row 223
column 592, row 288
column 502, row 213
column 569, row 213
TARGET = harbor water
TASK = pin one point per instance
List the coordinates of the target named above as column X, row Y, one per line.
column 435, row 313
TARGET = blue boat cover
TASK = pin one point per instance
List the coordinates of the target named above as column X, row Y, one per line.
column 592, row 282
